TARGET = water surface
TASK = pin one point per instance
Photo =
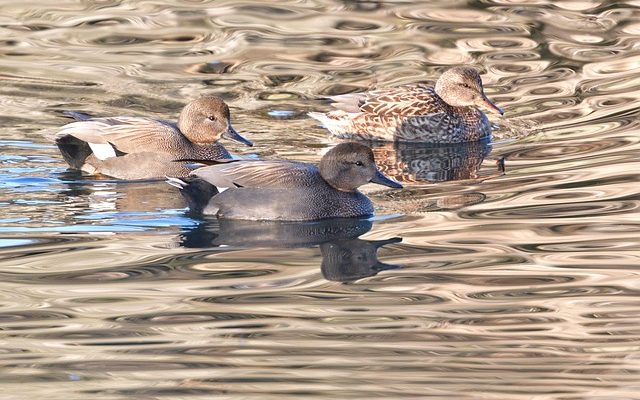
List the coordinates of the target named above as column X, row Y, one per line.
column 471, row 283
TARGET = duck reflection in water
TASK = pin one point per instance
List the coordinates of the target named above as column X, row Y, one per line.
column 95, row 194
column 344, row 256
column 411, row 162
column 353, row 259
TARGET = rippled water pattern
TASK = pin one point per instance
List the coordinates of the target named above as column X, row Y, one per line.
column 473, row 282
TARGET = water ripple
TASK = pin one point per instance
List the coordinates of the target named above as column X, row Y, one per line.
column 508, row 283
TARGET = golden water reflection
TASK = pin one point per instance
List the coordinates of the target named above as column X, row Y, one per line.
column 471, row 283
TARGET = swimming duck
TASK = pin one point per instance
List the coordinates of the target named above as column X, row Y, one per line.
column 148, row 148
column 415, row 113
column 286, row 190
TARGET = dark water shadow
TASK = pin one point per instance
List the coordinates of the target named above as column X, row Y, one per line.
column 345, row 257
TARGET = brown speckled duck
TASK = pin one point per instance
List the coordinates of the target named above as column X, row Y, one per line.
column 415, row 113
column 148, row 148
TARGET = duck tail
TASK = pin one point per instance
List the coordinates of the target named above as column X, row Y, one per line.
column 322, row 117
column 74, row 151
column 197, row 192
column 335, row 124
column 78, row 116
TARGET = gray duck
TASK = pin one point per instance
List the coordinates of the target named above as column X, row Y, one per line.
column 286, row 190
column 148, row 148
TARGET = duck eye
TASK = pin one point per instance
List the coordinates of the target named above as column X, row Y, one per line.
column 211, row 117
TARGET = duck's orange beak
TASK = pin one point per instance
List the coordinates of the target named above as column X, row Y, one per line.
column 484, row 102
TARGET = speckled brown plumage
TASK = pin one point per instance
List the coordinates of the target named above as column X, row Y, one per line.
column 415, row 113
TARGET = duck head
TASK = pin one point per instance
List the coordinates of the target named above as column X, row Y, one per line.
column 462, row 87
column 348, row 166
column 353, row 259
column 205, row 120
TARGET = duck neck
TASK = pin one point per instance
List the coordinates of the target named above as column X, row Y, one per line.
column 338, row 184
column 214, row 151
column 465, row 111
column 335, row 179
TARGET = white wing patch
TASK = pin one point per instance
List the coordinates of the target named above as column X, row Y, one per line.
column 102, row 150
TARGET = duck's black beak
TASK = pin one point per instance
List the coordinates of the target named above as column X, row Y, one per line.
column 384, row 242
column 383, row 180
column 380, row 266
column 231, row 134
column 484, row 102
